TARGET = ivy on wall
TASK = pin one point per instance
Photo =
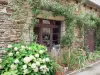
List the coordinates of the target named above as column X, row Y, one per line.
column 83, row 19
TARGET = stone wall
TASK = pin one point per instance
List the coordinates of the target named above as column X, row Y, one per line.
column 8, row 31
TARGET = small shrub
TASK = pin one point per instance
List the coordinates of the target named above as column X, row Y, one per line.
column 26, row 60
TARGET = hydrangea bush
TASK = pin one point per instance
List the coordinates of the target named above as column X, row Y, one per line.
column 26, row 60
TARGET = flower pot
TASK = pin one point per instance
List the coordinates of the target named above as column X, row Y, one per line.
column 60, row 73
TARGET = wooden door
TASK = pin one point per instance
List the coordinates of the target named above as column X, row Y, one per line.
column 89, row 39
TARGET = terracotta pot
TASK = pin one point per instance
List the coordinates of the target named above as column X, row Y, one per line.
column 60, row 73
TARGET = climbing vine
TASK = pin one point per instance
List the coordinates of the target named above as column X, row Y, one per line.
column 83, row 19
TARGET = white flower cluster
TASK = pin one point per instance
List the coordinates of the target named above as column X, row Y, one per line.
column 45, row 60
column 28, row 59
column 10, row 54
column 41, row 51
column 35, row 61
column 16, row 61
column 25, row 69
column 37, row 65
column 23, row 47
column 34, row 67
column 13, row 67
column 44, row 68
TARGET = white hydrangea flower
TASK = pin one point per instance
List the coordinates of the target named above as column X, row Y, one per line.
column 40, row 60
column 33, row 65
column 25, row 71
column 0, row 60
column 47, row 59
column 44, row 69
column 23, row 47
column 10, row 54
column 31, row 57
column 29, row 48
column 38, row 63
column 36, row 55
column 47, row 69
column 41, row 51
column 10, row 46
column 17, row 52
column 43, row 60
column 27, row 60
column 4, row 51
column 35, row 69
column 16, row 61
column 46, row 49
column 1, row 67
column 13, row 67
column 24, row 66
column 16, row 49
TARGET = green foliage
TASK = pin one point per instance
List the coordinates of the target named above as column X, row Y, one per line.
column 10, row 73
column 93, row 56
column 79, row 58
column 28, row 60
column 97, row 38
column 57, row 67
column 76, row 60
column 83, row 19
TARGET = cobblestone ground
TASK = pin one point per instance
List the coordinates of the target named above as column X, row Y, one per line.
column 95, row 70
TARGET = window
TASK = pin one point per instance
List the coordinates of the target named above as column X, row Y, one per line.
column 48, row 32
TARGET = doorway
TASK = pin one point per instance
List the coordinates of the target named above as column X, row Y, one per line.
column 48, row 32
column 90, row 39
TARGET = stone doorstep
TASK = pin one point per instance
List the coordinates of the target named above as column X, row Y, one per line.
column 82, row 69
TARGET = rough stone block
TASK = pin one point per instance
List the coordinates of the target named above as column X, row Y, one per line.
column 4, row 2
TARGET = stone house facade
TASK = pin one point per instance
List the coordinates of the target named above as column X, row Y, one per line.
column 10, row 32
